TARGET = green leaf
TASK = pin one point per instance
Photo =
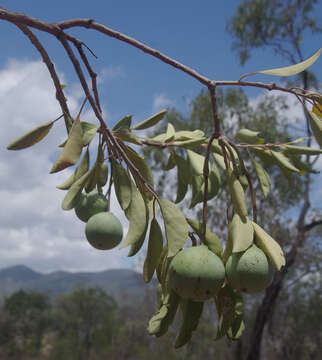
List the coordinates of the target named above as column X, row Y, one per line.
column 102, row 174
column 124, row 122
column 241, row 233
column 211, row 239
column 170, row 133
column 137, row 216
column 171, row 161
column 73, row 195
column 144, row 170
column 219, row 160
column 135, row 248
column 196, row 162
column 303, row 166
column 230, row 308
column 94, row 179
column 72, row 150
column 122, row 184
column 189, row 143
column 270, row 247
column 192, row 311
column 176, row 227
column 262, row 176
column 125, row 134
column 32, row 137
column 301, row 150
column 293, row 69
column 189, row 135
column 197, row 190
column 237, row 194
column 81, row 169
column 316, row 126
column 153, row 255
column 249, row 136
column 161, row 321
column 89, row 131
column 151, row 121
column 283, row 161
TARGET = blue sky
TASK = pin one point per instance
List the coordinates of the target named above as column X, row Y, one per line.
column 132, row 83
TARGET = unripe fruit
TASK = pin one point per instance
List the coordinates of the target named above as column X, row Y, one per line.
column 196, row 273
column 249, row 271
column 90, row 204
column 104, row 231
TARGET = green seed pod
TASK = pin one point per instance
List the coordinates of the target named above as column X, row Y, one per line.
column 90, row 204
column 249, row 271
column 196, row 273
column 104, row 231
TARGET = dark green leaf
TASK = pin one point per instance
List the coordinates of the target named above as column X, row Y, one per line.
column 154, row 251
column 122, row 184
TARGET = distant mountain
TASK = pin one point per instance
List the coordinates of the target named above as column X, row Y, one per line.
column 123, row 284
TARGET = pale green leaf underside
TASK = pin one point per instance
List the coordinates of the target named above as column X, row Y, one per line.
column 176, row 226
column 241, row 233
column 122, row 184
column 293, row 69
column 270, row 247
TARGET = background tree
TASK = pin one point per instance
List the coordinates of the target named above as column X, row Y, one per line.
column 279, row 25
column 27, row 316
column 84, row 320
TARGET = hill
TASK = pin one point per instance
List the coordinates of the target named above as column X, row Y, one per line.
column 122, row 284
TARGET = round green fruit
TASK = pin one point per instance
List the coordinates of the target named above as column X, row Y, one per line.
column 249, row 271
column 104, row 231
column 196, row 273
column 90, row 204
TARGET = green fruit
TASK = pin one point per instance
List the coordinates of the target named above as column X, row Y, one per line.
column 196, row 273
column 249, row 271
column 104, row 231
column 90, row 204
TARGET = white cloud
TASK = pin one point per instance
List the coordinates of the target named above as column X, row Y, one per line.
column 161, row 101
column 33, row 229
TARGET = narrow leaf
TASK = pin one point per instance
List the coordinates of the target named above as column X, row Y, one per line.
column 124, row 122
column 196, row 162
column 31, row 137
column 125, row 134
column 122, row 184
column 262, row 176
column 302, row 150
column 135, row 248
column 170, row 134
column 270, row 247
column 283, row 161
column 316, row 126
column 73, row 195
column 137, row 216
column 192, row 311
column 249, row 136
column 176, row 227
column 293, row 69
column 237, row 194
column 72, row 150
column 151, row 121
column 154, row 251
column 211, row 239
column 144, row 170
column 89, row 131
